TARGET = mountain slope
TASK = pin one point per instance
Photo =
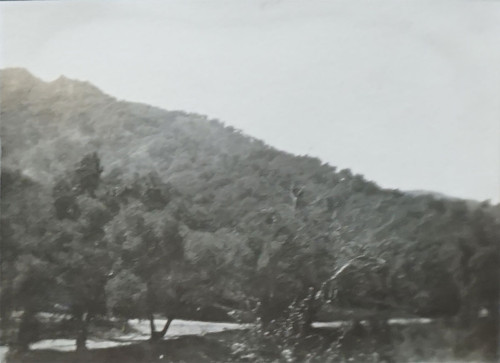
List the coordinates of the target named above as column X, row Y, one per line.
column 233, row 188
column 48, row 125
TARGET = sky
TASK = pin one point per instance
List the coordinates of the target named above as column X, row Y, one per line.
column 406, row 93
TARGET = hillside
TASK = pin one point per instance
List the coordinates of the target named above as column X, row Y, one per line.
column 257, row 223
column 48, row 126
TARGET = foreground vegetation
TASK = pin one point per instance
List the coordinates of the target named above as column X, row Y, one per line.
column 119, row 209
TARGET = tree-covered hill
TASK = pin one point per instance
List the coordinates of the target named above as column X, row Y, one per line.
column 149, row 187
column 49, row 126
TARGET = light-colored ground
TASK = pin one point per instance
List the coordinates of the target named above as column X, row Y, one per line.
column 3, row 351
column 141, row 328
column 142, row 331
column 178, row 328
column 402, row 321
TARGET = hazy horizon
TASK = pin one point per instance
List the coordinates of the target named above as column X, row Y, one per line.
column 402, row 94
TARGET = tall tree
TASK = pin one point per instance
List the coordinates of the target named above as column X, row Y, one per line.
column 77, row 245
column 147, row 248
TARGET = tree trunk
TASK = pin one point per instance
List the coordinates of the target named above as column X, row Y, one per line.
column 264, row 311
column 486, row 330
column 28, row 331
column 309, row 308
column 152, row 325
column 82, row 333
column 158, row 335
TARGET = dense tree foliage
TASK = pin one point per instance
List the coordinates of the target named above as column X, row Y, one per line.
column 122, row 208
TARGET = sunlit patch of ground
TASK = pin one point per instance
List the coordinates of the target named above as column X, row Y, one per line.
column 3, row 352
column 402, row 321
column 185, row 327
column 141, row 332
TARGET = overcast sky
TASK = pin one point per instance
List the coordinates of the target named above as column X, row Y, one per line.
column 406, row 93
